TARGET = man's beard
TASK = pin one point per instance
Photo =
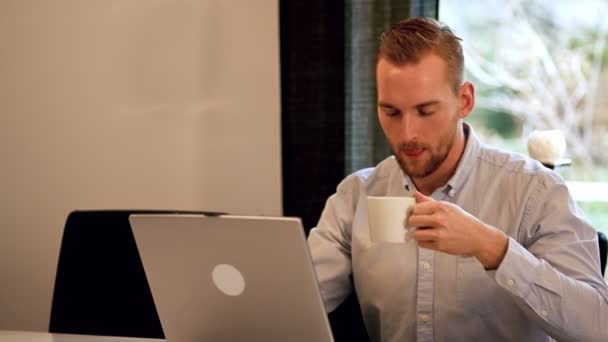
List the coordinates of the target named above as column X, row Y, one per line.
column 437, row 157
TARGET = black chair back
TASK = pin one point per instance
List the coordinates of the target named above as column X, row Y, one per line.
column 603, row 241
column 100, row 286
column 347, row 321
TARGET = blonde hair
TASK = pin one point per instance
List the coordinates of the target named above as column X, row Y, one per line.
column 415, row 37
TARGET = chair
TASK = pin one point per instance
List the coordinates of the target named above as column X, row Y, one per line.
column 347, row 321
column 100, row 286
column 603, row 242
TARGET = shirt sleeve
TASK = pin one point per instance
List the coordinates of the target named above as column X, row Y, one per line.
column 330, row 246
column 554, row 274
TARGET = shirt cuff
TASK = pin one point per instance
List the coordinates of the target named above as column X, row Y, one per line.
column 513, row 273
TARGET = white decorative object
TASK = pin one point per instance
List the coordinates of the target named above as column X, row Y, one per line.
column 547, row 146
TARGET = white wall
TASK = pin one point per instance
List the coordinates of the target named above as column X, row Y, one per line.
column 128, row 104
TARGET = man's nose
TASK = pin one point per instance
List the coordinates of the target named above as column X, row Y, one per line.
column 409, row 127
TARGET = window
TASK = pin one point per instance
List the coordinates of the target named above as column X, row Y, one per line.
column 540, row 65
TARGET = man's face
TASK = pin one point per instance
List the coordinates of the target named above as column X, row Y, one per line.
column 419, row 113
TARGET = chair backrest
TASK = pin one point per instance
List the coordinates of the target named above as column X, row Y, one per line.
column 100, row 286
column 347, row 321
column 603, row 241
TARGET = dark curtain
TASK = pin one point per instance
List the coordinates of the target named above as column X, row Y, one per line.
column 312, row 94
column 365, row 21
column 365, row 142
column 328, row 94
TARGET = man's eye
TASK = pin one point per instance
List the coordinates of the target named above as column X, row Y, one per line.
column 425, row 112
column 391, row 112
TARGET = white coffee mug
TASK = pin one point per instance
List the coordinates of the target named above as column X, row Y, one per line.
column 387, row 218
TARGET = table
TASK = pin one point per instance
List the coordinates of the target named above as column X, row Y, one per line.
column 29, row 336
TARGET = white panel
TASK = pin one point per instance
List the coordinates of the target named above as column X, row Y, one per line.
column 128, row 104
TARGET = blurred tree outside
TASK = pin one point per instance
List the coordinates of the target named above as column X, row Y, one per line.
column 540, row 65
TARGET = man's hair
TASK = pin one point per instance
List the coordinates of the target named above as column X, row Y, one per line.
column 413, row 38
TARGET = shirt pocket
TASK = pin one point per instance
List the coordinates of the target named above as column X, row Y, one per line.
column 477, row 292
column 385, row 273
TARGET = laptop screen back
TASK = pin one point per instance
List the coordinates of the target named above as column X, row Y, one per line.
column 231, row 278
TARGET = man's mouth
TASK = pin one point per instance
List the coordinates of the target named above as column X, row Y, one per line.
column 413, row 153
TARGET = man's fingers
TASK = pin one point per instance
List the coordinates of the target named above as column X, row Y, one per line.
column 422, row 235
column 424, row 208
column 428, row 245
column 420, row 198
column 418, row 221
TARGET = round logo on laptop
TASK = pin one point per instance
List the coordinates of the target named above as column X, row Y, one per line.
column 228, row 279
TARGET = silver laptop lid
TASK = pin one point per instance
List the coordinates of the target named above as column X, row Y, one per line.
column 231, row 278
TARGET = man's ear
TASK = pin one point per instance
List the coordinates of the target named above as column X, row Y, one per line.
column 467, row 99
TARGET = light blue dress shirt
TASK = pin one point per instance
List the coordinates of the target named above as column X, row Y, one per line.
column 548, row 285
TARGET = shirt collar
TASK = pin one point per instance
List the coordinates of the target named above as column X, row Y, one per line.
column 471, row 152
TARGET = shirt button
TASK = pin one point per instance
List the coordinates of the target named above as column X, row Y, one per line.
column 426, row 266
column 424, row 318
column 510, row 282
column 544, row 313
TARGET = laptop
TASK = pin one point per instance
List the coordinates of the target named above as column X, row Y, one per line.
column 231, row 278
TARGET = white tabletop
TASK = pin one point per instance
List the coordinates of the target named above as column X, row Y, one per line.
column 28, row 336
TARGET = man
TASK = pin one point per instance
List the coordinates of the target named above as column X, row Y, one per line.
column 501, row 251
